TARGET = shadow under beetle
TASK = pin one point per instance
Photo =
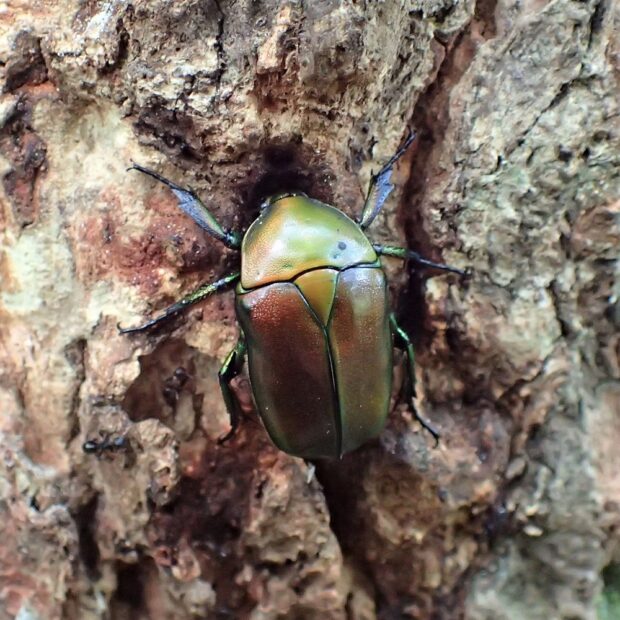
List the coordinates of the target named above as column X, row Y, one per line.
column 312, row 303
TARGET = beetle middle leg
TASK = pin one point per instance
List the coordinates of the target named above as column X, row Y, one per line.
column 230, row 369
column 403, row 342
column 202, row 292
column 406, row 254
column 380, row 186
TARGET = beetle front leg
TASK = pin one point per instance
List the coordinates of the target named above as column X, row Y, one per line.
column 405, row 254
column 199, row 294
column 380, row 186
column 230, row 369
column 403, row 342
column 193, row 206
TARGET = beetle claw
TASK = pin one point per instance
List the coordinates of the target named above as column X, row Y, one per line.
column 436, row 436
column 426, row 425
column 432, row 431
column 135, row 330
column 226, row 436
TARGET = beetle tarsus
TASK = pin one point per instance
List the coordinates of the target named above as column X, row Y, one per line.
column 426, row 425
column 157, row 176
column 380, row 186
column 227, row 436
column 407, row 254
column 148, row 325
column 199, row 294
column 411, row 136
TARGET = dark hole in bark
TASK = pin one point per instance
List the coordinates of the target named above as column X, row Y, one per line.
column 29, row 68
column 287, row 167
column 86, row 523
column 166, row 377
column 610, row 597
column 129, row 599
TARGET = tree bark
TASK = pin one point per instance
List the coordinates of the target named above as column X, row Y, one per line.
column 514, row 176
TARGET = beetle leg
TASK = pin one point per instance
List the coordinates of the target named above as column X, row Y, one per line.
column 405, row 254
column 230, row 369
column 380, row 186
column 199, row 294
column 193, row 206
column 403, row 342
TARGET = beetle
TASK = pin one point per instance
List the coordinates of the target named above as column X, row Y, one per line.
column 312, row 303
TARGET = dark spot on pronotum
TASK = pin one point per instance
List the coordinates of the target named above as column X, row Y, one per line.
column 342, row 245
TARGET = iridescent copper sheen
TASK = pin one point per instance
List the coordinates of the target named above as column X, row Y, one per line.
column 289, row 366
column 360, row 345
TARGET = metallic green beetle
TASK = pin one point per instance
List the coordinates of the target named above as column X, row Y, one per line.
column 311, row 299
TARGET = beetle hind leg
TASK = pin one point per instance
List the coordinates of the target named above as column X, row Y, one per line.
column 403, row 342
column 230, row 369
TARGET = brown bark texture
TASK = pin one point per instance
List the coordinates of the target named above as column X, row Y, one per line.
column 514, row 176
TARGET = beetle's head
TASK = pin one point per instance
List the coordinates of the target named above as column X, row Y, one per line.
column 271, row 200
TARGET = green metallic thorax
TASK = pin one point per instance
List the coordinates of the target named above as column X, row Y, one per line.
column 296, row 234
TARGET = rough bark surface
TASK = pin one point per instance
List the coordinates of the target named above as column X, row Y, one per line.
column 515, row 177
